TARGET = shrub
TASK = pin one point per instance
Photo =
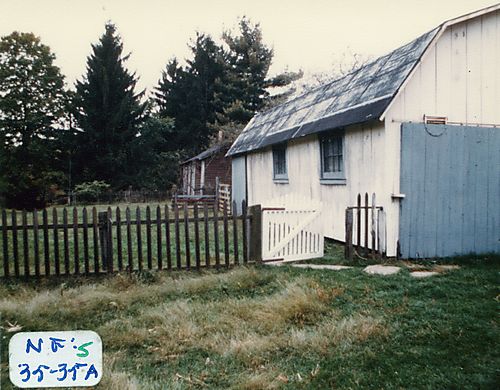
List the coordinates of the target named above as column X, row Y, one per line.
column 91, row 191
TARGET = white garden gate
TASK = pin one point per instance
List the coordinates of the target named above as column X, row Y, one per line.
column 292, row 230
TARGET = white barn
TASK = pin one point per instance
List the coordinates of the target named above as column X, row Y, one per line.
column 369, row 132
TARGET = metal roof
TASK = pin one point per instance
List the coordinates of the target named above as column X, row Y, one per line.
column 357, row 97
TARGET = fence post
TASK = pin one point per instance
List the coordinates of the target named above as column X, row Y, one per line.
column 226, row 235
column 104, row 228
column 255, row 247
column 217, row 192
column 109, row 244
column 358, row 224
column 382, row 234
column 25, row 245
column 348, row 233
column 367, row 246
column 5, row 244
column 245, row 230
column 186, row 236
column 235, row 232
column 374, row 226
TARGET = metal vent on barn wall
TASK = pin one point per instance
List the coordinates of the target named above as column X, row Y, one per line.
column 435, row 120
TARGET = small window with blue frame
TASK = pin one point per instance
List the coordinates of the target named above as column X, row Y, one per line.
column 280, row 172
column 332, row 157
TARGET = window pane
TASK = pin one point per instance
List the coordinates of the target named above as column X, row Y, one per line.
column 279, row 161
column 332, row 154
column 330, row 148
column 329, row 164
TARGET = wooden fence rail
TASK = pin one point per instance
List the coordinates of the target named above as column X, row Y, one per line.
column 87, row 241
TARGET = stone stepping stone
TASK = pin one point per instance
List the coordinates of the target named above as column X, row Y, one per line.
column 310, row 266
column 278, row 263
column 322, row 266
column 423, row 274
column 446, row 268
column 379, row 269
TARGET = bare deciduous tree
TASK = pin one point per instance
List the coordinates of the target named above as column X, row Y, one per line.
column 346, row 63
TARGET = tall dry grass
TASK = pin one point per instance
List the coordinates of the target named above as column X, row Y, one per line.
column 245, row 315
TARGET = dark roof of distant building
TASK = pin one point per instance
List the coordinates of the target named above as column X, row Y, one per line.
column 209, row 152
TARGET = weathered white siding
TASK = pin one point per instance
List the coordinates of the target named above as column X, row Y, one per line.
column 364, row 165
column 458, row 78
column 239, row 182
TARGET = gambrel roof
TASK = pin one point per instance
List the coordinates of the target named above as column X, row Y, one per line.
column 360, row 96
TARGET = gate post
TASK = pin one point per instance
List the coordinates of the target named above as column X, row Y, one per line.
column 105, row 237
column 255, row 246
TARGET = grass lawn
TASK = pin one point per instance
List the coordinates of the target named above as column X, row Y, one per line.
column 277, row 327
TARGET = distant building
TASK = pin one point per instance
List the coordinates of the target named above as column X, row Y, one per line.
column 199, row 173
column 419, row 127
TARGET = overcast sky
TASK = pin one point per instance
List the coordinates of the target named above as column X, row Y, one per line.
column 306, row 34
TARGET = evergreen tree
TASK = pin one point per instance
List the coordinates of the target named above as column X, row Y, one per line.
column 247, row 84
column 249, row 60
column 220, row 89
column 108, row 112
column 158, row 168
column 167, row 95
column 31, row 108
column 188, row 94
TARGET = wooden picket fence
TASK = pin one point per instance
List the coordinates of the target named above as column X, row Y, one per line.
column 365, row 229
column 87, row 241
column 224, row 195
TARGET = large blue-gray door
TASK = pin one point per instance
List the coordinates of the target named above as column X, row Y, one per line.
column 239, row 181
column 450, row 176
